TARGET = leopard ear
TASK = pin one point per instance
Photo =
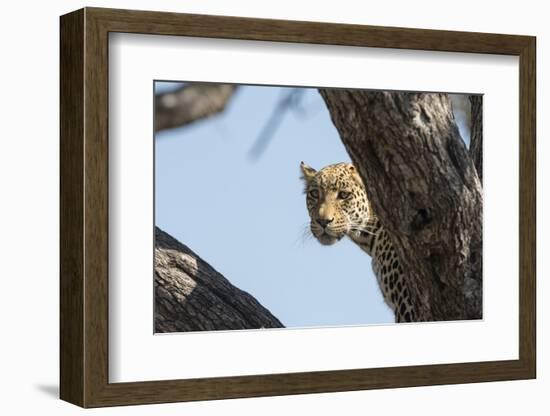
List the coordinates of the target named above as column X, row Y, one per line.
column 355, row 173
column 307, row 172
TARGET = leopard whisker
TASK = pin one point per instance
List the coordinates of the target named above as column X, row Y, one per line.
column 305, row 235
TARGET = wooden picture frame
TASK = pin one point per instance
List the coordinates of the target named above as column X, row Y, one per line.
column 84, row 207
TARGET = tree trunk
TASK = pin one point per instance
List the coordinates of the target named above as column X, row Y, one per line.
column 191, row 103
column 191, row 296
column 423, row 186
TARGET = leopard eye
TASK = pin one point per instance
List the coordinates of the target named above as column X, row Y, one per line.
column 314, row 193
column 344, row 195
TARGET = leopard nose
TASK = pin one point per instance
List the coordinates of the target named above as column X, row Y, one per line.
column 323, row 222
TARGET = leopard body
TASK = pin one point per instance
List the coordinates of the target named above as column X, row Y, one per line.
column 338, row 206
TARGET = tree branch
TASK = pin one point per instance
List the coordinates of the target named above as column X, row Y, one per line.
column 191, row 296
column 476, row 135
column 190, row 103
column 289, row 101
column 424, row 188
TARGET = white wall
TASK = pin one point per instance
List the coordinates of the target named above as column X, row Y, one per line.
column 29, row 208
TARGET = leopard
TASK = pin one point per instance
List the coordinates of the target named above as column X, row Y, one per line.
column 338, row 207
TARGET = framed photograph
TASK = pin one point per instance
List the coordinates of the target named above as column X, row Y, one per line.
column 257, row 207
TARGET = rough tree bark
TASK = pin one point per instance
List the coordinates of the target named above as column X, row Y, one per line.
column 476, row 135
column 191, row 296
column 190, row 103
column 425, row 189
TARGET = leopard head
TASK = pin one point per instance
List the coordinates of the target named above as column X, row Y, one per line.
column 336, row 202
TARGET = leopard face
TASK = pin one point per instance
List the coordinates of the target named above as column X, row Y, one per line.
column 336, row 202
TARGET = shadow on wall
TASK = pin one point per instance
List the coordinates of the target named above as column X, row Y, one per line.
column 51, row 390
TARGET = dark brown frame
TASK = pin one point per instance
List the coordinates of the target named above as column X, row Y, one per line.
column 84, row 209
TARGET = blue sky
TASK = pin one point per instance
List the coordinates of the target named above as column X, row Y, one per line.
column 247, row 217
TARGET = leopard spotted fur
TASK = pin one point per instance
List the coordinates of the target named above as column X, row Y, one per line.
column 338, row 206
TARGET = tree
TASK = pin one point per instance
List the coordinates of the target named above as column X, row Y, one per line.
column 191, row 296
column 424, row 185
column 425, row 189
